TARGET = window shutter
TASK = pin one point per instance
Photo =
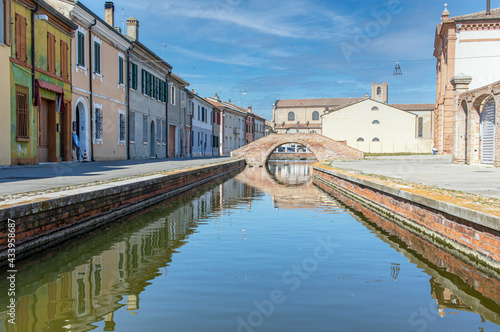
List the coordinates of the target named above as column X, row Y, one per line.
column 18, row 36
column 143, row 80
column 24, row 53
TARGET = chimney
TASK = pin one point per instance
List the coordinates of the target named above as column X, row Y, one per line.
column 250, row 109
column 488, row 7
column 109, row 13
column 133, row 28
column 366, row 96
column 229, row 101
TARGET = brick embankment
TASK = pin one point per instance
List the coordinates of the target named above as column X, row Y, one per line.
column 471, row 229
column 45, row 220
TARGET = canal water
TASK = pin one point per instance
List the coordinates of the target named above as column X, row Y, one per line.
column 264, row 250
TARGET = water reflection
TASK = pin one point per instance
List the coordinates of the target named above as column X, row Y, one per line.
column 290, row 173
column 91, row 281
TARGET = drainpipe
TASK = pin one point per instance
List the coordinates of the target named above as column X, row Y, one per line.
column 128, row 98
column 90, row 90
column 33, row 13
column 166, row 113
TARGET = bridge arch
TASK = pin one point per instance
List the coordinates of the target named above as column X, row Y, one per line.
column 259, row 151
column 271, row 150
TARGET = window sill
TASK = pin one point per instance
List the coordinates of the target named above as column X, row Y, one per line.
column 23, row 139
column 132, row 142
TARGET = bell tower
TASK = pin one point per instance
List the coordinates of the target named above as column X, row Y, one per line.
column 380, row 92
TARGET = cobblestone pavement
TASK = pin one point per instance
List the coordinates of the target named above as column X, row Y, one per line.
column 434, row 171
column 16, row 181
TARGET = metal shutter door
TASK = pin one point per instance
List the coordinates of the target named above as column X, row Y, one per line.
column 488, row 132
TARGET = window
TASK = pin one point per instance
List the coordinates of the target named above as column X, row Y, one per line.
column 122, row 127
column 376, row 122
column 21, row 47
column 22, row 113
column 80, row 57
column 203, row 114
column 164, row 131
column 145, row 129
column 98, row 124
column 183, row 99
column 133, row 76
column 291, row 116
column 360, row 139
column 64, row 60
column 172, row 97
column 374, row 108
column 315, row 116
column 420, row 127
column 158, row 132
column 51, row 53
column 379, row 91
column 97, row 57
column 131, row 126
column 375, row 139
column 198, row 112
column 120, row 70
column 199, row 142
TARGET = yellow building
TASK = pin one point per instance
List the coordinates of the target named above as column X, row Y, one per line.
column 5, row 41
column 40, row 84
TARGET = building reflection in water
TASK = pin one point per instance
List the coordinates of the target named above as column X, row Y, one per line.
column 87, row 281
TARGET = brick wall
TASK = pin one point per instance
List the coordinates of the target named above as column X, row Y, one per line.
column 476, row 237
column 48, row 220
column 467, row 123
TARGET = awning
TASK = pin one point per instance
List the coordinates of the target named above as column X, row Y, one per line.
column 50, row 87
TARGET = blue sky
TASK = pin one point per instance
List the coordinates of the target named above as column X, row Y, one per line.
column 294, row 48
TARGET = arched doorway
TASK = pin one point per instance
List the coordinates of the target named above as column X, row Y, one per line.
column 487, row 130
column 153, row 140
column 82, row 130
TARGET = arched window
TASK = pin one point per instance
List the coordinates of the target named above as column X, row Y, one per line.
column 375, row 139
column 315, row 115
column 291, row 116
column 379, row 91
column 376, row 122
column 374, row 108
column 360, row 139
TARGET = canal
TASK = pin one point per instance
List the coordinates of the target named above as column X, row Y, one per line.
column 263, row 250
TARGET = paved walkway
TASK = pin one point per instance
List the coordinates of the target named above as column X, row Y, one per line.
column 21, row 179
column 435, row 171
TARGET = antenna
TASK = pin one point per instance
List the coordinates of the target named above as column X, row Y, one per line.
column 123, row 21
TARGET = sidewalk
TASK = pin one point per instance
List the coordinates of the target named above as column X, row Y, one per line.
column 32, row 178
column 433, row 171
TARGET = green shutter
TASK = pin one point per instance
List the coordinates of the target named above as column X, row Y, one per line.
column 143, row 81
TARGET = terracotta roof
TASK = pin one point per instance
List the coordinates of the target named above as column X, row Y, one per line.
column 414, row 107
column 299, row 126
column 319, row 102
column 495, row 14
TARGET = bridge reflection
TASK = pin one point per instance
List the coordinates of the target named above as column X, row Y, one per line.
column 87, row 281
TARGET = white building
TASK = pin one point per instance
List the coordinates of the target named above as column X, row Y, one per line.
column 372, row 126
column 202, row 139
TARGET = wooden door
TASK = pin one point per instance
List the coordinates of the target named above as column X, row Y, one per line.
column 43, row 133
column 171, row 141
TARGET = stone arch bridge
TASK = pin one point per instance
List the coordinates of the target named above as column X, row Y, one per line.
column 258, row 152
